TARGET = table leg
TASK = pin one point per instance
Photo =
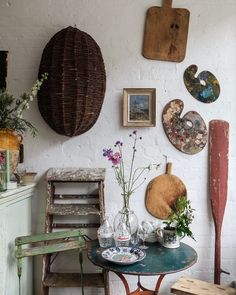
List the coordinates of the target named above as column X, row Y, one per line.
column 123, row 279
column 126, row 285
column 158, row 284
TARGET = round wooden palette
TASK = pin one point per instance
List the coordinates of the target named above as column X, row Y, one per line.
column 162, row 193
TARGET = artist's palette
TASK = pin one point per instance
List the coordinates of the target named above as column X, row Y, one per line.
column 188, row 133
column 123, row 255
column 204, row 87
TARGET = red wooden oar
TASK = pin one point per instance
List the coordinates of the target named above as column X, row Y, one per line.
column 218, row 176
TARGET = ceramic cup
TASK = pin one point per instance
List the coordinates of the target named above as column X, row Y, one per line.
column 168, row 238
column 28, row 177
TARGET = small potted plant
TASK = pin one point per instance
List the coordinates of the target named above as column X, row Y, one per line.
column 177, row 225
column 12, row 123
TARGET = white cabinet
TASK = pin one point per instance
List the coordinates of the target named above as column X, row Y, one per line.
column 15, row 220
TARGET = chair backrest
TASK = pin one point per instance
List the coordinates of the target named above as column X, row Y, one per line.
column 49, row 243
column 64, row 243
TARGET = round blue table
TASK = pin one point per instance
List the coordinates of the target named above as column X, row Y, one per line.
column 158, row 261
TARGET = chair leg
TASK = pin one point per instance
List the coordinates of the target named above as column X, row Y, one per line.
column 45, row 290
column 106, row 279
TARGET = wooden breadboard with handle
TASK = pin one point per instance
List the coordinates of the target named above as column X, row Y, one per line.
column 166, row 32
column 162, row 193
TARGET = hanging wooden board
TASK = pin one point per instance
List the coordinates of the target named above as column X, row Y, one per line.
column 189, row 133
column 162, row 193
column 204, row 87
column 218, row 177
column 166, row 32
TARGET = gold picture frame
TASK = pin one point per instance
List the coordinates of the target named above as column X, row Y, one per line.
column 139, row 107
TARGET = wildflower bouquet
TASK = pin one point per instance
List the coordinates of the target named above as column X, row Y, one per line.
column 11, row 109
column 131, row 181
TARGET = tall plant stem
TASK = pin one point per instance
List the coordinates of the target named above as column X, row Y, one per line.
column 132, row 163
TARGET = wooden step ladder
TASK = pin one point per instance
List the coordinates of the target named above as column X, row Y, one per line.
column 79, row 206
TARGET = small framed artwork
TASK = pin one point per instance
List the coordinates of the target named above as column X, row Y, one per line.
column 139, row 107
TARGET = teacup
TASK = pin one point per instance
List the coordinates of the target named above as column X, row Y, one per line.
column 168, row 238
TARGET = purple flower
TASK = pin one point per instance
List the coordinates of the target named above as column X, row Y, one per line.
column 118, row 143
column 135, row 132
column 115, row 158
column 107, row 152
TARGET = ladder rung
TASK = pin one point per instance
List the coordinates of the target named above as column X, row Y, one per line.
column 75, row 225
column 60, row 280
column 84, row 196
column 76, row 175
column 74, row 209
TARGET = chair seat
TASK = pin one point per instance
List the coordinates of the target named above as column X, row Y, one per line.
column 189, row 286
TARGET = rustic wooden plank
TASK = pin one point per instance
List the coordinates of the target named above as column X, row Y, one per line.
column 101, row 200
column 218, row 182
column 75, row 225
column 47, row 237
column 48, row 229
column 80, row 196
column 73, row 209
column 47, row 249
column 76, row 174
column 60, row 280
column 166, row 32
column 189, row 286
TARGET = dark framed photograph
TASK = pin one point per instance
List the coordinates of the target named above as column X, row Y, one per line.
column 139, row 107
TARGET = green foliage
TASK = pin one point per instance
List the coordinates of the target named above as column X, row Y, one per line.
column 181, row 217
column 11, row 109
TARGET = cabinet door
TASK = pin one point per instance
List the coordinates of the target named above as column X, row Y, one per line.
column 17, row 219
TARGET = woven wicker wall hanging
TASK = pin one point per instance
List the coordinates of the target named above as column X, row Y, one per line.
column 70, row 100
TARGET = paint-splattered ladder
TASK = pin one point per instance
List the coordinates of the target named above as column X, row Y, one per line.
column 70, row 207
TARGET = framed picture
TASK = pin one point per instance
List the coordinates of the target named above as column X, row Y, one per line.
column 139, row 107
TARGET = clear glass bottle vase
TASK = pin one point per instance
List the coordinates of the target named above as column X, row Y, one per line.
column 125, row 225
column 105, row 234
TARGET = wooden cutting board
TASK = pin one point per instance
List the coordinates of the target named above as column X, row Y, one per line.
column 166, row 32
column 162, row 193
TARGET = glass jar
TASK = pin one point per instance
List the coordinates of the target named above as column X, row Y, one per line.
column 129, row 217
column 125, row 227
column 105, row 234
column 122, row 233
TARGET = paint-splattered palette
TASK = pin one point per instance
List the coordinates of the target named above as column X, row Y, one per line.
column 188, row 133
column 204, row 87
column 123, row 255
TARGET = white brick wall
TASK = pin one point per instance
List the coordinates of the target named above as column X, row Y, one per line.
column 117, row 26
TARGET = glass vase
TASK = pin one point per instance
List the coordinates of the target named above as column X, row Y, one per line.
column 125, row 221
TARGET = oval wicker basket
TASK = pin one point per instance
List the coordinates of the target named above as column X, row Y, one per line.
column 70, row 100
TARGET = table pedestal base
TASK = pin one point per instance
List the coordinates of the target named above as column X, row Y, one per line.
column 140, row 289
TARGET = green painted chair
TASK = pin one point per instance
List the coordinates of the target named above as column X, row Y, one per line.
column 49, row 243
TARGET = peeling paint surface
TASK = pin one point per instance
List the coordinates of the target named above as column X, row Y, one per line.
column 189, row 133
column 218, row 181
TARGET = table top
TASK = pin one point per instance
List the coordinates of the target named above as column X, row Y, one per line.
column 158, row 260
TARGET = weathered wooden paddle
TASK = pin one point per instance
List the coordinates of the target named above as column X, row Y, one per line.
column 218, row 176
column 162, row 193
column 166, row 32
